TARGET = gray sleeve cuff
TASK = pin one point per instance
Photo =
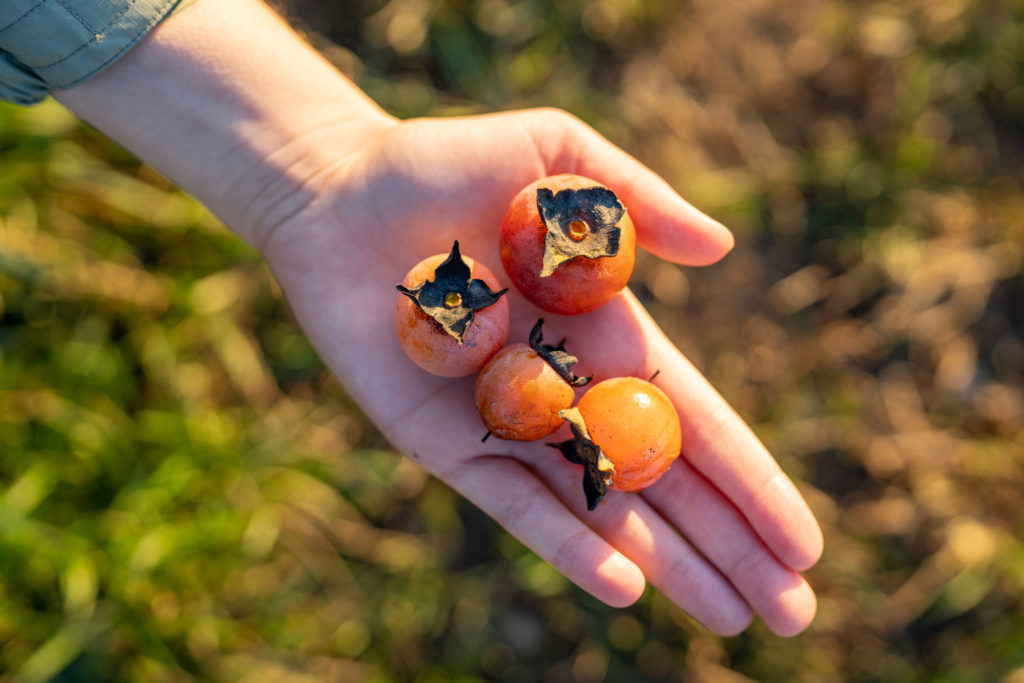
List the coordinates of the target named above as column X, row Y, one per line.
column 47, row 44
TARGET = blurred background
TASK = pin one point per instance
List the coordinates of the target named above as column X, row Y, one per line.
column 186, row 494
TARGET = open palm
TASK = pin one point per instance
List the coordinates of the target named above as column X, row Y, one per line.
column 723, row 534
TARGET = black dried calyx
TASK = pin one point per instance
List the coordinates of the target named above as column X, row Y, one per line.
column 451, row 297
column 556, row 356
column 598, row 469
column 580, row 222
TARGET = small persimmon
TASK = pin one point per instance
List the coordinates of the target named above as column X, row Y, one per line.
column 450, row 315
column 568, row 244
column 521, row 390
column 626, row 433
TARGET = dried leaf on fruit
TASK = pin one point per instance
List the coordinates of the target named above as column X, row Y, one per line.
column 556, row 356
column 452, row 296
column 598, row 470
column 598, row 209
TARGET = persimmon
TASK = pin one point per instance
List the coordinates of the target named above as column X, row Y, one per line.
column 521, row 390
column 568, row 244
column 626, row 434
column 450, row 314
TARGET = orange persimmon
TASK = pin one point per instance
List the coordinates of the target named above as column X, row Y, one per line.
column 521, row 390
column 450, row 315
column 567, row 243
column 626, row 433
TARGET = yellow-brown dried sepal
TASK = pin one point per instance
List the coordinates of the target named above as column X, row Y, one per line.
column 598, row 469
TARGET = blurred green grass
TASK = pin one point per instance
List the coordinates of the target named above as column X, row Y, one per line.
column 188, row 495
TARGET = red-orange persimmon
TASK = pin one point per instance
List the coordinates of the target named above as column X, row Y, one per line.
column 568, row 244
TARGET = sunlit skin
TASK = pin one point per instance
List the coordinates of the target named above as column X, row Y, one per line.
column 429, row 346
column 339, row 197
column 518, row 395
column 577, row 286
column 636, row 426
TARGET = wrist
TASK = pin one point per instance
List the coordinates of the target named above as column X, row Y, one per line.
column 227, row 101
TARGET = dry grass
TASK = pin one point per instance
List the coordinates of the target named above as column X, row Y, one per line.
column 187, row 495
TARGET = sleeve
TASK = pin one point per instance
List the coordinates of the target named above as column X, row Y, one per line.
column 47, row 44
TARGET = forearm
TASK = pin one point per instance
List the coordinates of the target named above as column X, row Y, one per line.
column 226, row 100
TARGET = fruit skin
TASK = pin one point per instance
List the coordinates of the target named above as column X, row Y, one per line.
column 429, row 346
column 518, row 395
column 577, row 286
column 637, row 428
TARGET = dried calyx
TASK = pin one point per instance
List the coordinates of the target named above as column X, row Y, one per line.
column 452, row 296
column 579, row 223
column 556, row 356
column 598, row 470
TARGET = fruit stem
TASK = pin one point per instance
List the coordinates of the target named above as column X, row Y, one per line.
column 578, row 230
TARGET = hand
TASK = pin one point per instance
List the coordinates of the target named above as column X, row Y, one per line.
column 225, row 99
column 723, row 534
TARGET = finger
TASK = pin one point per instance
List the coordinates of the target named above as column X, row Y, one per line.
column 777, row 593
column 720, row 445
column 667, row 225
column 643, row 535
column 518, row 501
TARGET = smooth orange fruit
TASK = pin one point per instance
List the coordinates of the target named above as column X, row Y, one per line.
column 523, row 387
column 568, row 244
column 626, row 432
